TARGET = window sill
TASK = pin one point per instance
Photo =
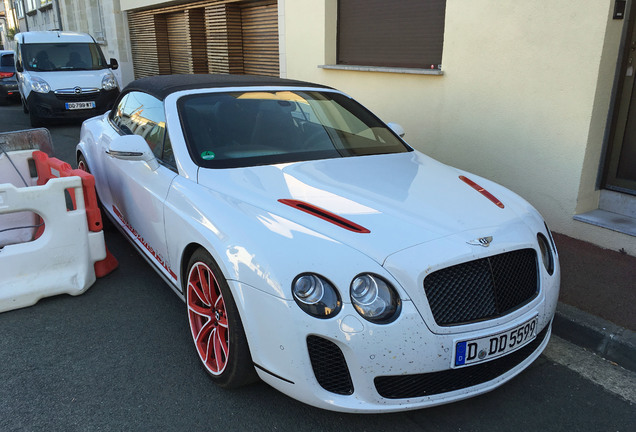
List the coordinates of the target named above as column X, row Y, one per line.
column 32, row 12
column 45, row 7
column 412, row 71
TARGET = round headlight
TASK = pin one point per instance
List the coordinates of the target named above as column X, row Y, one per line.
column 39, row 85
column 109, row 82
column 316, row 295
column 374, row 298
column 546, row 253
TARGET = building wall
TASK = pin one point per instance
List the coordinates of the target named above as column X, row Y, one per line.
column 107, row 23
column 523, row 98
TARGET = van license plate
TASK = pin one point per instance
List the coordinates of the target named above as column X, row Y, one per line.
column 80, row 105
column 491, row 347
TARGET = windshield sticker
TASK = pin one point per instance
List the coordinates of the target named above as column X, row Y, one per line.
column 207, row 155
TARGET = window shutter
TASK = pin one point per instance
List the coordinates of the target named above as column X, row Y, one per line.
column 404, row 33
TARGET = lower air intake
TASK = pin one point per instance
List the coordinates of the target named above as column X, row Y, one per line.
column 330, row 367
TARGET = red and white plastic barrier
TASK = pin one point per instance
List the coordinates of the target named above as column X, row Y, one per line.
column 67, row 251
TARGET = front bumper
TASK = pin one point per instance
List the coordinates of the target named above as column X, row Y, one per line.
column 53, row 106
column 347, row 364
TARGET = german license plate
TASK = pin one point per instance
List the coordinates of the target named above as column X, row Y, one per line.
column 487, row 348
column 80, row 105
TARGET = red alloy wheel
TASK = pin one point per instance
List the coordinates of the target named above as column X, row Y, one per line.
column 208, row 318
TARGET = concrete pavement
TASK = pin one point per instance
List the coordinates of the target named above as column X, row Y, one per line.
column 597, row 305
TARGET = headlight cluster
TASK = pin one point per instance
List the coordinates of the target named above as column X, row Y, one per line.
column 109, row 82
column 373, row 297
column 547, row 249
column 39, row 85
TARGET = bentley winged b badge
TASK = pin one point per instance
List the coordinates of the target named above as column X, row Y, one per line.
column 482, row 241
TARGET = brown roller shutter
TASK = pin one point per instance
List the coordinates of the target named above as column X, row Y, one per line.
column 408, row 33
column 224, row 39
column 215, row 36
column 143, row 41
column 196, row 40
column 260, row 39
column 177, row 27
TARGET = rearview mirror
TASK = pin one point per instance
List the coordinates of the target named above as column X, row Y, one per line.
column 399, row 130
column 113, row 64
column 132, row 148
column 18, row 66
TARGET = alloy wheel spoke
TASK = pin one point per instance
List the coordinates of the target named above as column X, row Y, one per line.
column 203, row 339
column 203, row 274
column 204, row 311
column 194, row 288
column 220, row 347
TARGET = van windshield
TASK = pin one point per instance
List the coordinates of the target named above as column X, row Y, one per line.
column 63, row 57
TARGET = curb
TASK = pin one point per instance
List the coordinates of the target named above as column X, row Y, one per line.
column 610, row 341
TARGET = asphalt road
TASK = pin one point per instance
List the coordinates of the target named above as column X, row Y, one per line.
column 120, row 358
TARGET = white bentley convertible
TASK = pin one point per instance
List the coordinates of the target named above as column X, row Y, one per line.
column 318, row 251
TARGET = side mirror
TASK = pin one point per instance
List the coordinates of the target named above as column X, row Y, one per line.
column 18, row 66
column 113, row 64
column 132, row 148
column 399, row 130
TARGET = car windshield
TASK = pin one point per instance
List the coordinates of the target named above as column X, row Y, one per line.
column 63, row 57
column 228, row 130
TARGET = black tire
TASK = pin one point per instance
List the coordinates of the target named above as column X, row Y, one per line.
column 106, row 222
column 217, row 321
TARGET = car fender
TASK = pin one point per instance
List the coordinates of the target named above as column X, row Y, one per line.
column 256, row 247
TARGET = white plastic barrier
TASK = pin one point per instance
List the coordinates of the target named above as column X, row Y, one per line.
column 16, row 172
column 62, row 259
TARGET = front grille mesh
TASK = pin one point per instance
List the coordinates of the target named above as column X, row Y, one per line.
column 329, row 366
column 428, row 384
column 482, row 289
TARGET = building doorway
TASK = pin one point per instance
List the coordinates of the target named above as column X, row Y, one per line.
column 620, row 166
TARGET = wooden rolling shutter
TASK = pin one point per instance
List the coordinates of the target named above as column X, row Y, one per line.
column 215, row 36
column 408, row 33
column 196, row 40
column 177, row 27
column 260, row 39
column 224, row 44
column 143, row 42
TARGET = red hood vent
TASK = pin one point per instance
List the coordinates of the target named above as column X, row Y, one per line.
column 482, row 191
column 325, row 215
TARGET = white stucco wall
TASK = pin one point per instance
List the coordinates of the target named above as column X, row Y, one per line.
column 523, row 99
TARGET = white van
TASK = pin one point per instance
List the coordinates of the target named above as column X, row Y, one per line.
column 63, row 75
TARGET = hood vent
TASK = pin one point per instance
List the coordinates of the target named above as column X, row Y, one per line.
column 325, row 215
column 482, row 191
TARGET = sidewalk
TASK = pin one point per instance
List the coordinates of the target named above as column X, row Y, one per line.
column 597, row 305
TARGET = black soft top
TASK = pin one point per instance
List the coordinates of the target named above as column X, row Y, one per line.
column 161, row 86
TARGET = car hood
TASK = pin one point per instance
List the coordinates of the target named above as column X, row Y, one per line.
column 402, row 199
column 71, row 79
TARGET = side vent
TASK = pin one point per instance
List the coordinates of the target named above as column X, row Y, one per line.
column 325, row 215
